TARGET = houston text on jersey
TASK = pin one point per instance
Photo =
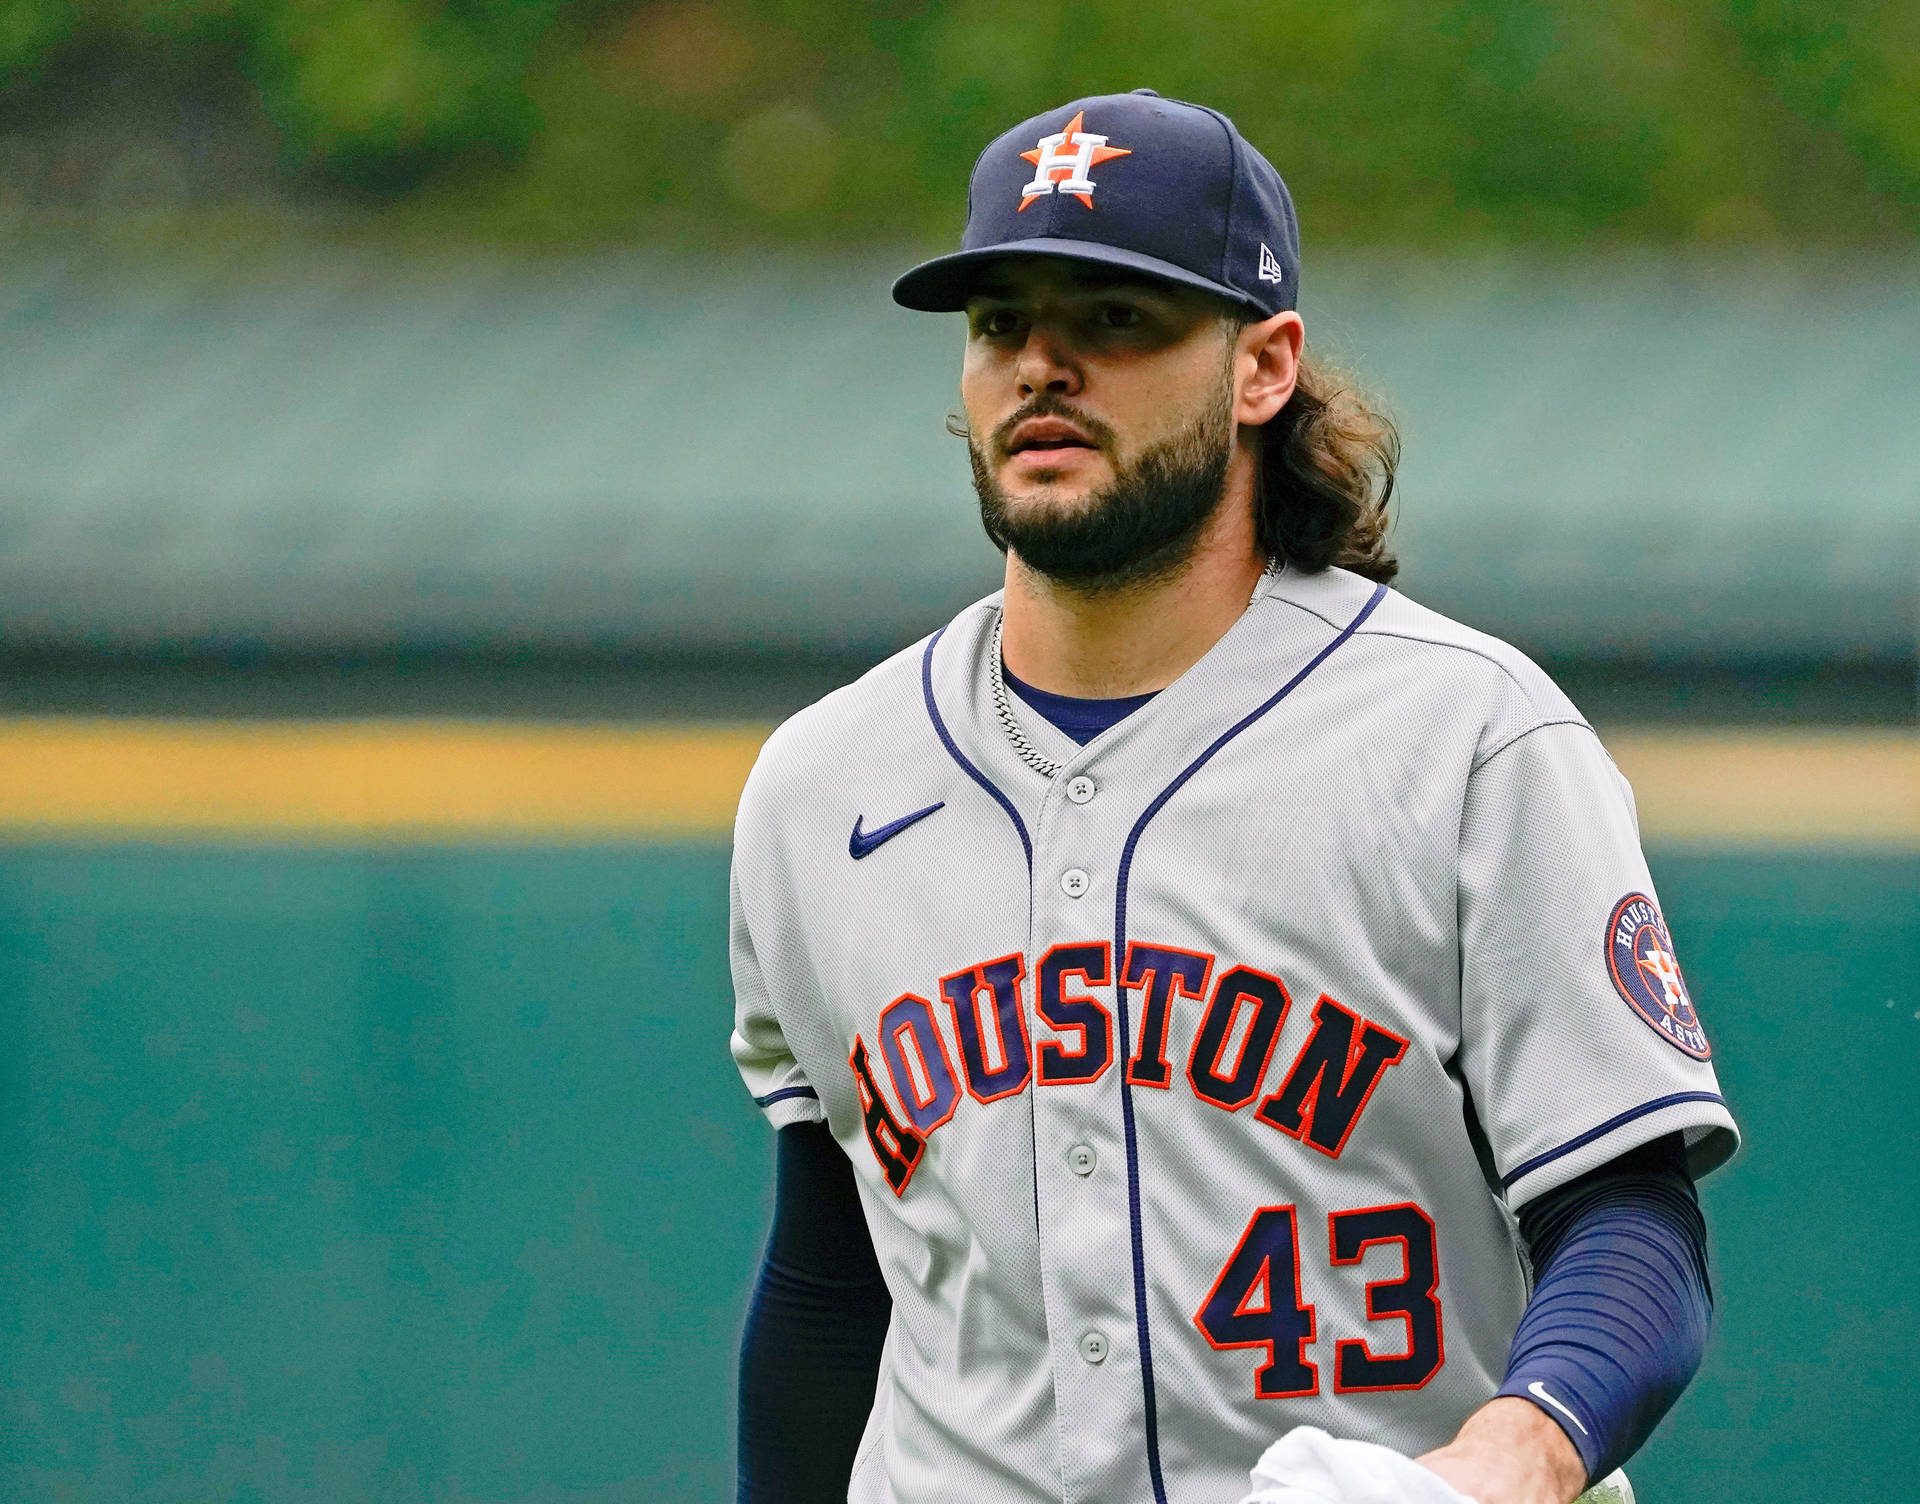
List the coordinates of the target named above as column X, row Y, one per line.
column 1318, row 1100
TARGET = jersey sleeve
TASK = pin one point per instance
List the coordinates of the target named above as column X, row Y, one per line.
column 1579, row 1039
column 773, row 1077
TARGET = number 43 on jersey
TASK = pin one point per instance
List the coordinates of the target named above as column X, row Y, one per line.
column 1256, row 1303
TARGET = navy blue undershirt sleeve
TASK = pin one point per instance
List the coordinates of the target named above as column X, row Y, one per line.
column 810, row 1355
column 1082, row 720
column 1621, row 1303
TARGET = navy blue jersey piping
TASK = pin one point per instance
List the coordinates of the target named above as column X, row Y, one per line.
column 1126, row 1027
column 784, row 1094
column 1026, row 844
column 953, row 751
column 1619, row 1120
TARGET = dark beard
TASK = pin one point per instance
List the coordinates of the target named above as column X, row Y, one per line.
column 1143, row 526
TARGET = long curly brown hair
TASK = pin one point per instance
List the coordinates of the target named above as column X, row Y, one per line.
column 1326, row 478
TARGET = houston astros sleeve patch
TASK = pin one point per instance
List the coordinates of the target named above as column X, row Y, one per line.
column 1641, row 960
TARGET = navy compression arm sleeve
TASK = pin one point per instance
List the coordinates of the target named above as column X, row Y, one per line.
column 1621, row 1305
column 811, row 1352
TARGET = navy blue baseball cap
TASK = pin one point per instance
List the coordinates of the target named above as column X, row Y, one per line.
column 1131, row 181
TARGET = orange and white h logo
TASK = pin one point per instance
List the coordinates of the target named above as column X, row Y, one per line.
column 1061, row 163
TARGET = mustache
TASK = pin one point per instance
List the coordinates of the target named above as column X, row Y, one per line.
column 1048, row 405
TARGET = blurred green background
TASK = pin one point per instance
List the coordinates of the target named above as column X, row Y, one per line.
column 530, row 360
column 1670, row 121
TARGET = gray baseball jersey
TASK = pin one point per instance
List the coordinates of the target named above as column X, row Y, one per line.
column 1190, row 1092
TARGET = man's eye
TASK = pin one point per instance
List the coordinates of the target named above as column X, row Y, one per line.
column 999, row 321
column 1119, row 316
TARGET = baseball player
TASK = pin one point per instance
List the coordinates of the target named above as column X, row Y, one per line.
column 1200, row 992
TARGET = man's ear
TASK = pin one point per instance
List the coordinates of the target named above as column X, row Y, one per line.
column 1266, row 366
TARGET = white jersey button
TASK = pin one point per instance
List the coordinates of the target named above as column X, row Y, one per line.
column 1073, row 882
column 1081, row 1159
column 1081, row 789
column 1093, row 1347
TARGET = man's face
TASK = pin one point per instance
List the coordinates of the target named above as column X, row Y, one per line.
column 1099, row 415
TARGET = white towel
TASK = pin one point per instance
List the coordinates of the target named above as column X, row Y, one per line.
column 1307, row 1466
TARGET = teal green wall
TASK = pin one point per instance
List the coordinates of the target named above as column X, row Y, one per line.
column 1809, row 974
column 424, row 1175
column 393, row 1177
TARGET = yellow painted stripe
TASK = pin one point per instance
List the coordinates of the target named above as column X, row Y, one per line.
column 1858, row 788
column 378, row 779
column 406, row 780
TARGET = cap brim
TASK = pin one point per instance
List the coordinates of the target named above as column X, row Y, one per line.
column 944, row 284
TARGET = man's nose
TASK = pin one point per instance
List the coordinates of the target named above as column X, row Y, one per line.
column 1046, row 364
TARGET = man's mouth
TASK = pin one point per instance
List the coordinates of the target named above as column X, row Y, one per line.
column 1047, row 434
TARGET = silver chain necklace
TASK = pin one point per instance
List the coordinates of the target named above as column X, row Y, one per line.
column 1029, row 754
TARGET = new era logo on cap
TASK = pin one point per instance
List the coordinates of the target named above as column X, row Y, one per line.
column 1176, row 192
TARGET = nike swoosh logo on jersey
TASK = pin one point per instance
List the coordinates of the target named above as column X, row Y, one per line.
column 1539, row 1392
column 866, row 842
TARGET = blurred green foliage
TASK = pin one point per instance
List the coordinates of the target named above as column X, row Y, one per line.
column 1416, row 121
